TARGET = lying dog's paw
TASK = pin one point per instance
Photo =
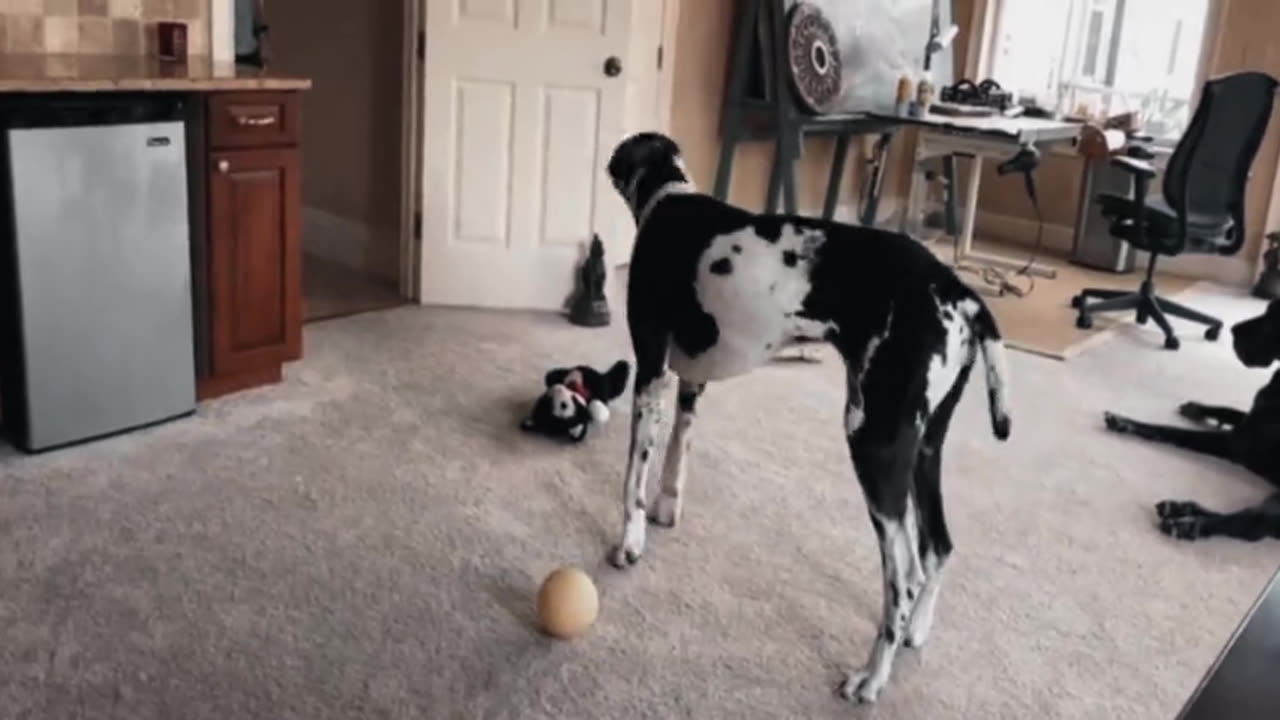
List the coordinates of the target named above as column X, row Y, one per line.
column 1183, row 528
column 1192, row 411
column 1179, row 509
column 1117, row 423
column 860, row 687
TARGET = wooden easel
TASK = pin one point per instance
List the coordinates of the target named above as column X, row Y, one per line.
column 759, row 105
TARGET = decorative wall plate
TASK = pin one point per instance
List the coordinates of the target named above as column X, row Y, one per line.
column 813, row 55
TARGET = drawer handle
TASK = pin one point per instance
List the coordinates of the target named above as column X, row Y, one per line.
column 258, row 121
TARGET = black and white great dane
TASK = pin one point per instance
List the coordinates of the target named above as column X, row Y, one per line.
column 715, row 290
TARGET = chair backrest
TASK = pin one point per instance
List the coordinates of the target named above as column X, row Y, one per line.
column 1209, row 168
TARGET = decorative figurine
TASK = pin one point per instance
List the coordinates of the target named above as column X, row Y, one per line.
column 590, row 308
column 1268, row 286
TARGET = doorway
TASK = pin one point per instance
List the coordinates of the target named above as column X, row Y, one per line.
column 351, row 138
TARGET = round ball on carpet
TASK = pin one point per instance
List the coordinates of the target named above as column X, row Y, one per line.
column 567, row 603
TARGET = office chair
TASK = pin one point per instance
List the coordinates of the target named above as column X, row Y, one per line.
column 1202, row 209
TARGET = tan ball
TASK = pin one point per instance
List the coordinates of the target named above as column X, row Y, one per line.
column 567, row 603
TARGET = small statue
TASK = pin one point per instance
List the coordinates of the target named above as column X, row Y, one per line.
column 590, row 308
column 1268, row 286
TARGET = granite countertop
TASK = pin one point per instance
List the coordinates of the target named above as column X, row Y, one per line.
column 97, row 73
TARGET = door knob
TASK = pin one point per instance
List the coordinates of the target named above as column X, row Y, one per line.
column 612, row 66
column 223, row 166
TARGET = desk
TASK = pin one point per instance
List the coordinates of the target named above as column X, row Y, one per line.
column 996, row 137
column 1241, row 684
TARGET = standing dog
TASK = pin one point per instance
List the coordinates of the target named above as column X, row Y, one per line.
column 714, row 290
column 1250, row 439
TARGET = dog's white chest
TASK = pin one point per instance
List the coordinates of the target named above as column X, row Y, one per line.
column 754, row 289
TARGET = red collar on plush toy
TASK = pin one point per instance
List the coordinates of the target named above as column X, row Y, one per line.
column 573, row 381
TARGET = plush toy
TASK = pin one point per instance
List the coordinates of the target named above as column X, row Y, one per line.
column 574, row 398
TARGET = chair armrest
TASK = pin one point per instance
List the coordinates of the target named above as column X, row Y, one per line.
column 1134, row 165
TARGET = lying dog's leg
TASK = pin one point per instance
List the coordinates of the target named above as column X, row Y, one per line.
column 1187, row 520
column 884, row 471
column 1223, row 416
column 666, row 509
column 935, row 540
column 1210, row 442
column 646, row 416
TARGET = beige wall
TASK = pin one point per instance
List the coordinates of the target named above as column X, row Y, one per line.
column 351, row 116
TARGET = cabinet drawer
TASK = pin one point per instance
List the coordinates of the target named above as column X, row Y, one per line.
column 253, row 119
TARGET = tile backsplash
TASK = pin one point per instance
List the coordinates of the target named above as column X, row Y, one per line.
column 98, row 27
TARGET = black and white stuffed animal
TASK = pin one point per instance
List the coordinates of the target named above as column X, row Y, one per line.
column 574, row 398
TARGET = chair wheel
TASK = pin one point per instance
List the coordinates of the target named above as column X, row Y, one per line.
column 1077, row 301
column 1171, row 343
column 1212, row 333
column 1084, row 322
column 1142, row 318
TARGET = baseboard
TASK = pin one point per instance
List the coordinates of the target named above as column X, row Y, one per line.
column 334, row 238
column 1234, row 271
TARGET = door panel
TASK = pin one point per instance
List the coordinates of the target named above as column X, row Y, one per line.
column 519, row 119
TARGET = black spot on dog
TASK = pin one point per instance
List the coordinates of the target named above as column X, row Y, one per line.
column 723, row 266
column 737, row 249
column 768, row 228
column 687, row 400
column 911, row 595
column 889, row 635
column 896, row 594
column 640, row 504
column 790, row 258
column 644, row 455
column 947, row 314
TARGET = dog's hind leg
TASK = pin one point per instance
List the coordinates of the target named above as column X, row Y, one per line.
column 935, row 540
column 885, row 471
column 1209, row 442
column 646, row 416
column 666, row 509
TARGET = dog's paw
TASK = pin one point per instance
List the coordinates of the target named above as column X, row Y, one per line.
column 861, row 687
column 1192, row 411
column 1167, row 509
column 665, row 511
column 1183, row 528
column 623, row 558
column 1117, row 423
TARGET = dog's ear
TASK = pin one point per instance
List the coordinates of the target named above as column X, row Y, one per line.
column 555, row 376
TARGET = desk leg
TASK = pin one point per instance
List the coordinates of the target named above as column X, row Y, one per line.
column 837, row 176
column 910, row 221
column 970, row 205
column 875, row 181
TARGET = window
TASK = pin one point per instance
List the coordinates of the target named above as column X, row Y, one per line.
column 1104, row 56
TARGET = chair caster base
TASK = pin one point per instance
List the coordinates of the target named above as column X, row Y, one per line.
column 1212, row 333
column 1172, row 343
column 1084, row 322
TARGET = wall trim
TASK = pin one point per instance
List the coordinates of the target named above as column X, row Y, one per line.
column 222, row 30
column 335, row 238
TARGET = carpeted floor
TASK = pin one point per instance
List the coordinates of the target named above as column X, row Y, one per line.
column 364, row 541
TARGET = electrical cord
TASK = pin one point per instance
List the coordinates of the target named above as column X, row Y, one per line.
column 1025, row 161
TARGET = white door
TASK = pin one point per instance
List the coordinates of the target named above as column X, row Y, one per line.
column 519, row 118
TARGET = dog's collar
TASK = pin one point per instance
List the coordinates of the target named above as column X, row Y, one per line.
column 673, row 187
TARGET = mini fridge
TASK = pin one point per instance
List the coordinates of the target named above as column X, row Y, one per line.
column 96, row 271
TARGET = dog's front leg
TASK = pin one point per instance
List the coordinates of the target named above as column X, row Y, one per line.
column 646, row 416
column 666, row 509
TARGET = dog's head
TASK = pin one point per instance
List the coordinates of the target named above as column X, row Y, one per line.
column 642, row 163
column 1257, row 340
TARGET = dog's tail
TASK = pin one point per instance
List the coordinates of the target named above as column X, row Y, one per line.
column 991, row 346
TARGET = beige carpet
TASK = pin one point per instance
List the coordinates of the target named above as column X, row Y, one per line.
column 364, row 540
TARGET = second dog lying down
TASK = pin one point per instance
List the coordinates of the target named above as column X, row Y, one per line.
column 1250, row 439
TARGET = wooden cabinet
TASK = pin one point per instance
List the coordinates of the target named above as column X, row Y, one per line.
column 249, row 258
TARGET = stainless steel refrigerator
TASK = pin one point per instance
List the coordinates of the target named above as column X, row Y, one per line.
column 97, row 267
